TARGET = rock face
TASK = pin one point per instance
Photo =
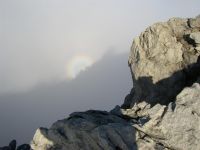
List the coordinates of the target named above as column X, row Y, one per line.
column 89, row 130
column 162, row 111
column 161, row 58
column 175, row 126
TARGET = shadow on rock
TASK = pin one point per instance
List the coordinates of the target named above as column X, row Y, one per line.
column 164, row 91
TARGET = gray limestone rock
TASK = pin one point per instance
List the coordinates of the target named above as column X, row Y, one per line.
column 176, row 128
column 87, row 131
column 196, row 37
column 194, row 23
column 160, row 60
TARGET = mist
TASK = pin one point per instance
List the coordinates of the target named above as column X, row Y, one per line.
column 39, row 38
column 102, row 86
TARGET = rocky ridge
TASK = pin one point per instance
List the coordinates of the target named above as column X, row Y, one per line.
column 13, row 146
column 162, row 111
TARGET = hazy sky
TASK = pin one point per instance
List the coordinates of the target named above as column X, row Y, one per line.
column 38, row 38
column 102, row 86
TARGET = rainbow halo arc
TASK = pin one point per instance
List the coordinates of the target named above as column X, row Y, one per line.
column 77, row 64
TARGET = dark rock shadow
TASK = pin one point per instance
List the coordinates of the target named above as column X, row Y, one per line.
column 164, row 91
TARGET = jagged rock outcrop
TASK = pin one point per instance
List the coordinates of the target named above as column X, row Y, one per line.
column 87, row 130
column 162, row 60
column 175, row 126
column 162, row 111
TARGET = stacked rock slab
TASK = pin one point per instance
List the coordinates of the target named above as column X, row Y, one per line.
column 162, row 112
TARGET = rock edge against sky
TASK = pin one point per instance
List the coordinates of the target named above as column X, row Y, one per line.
column 162, row 110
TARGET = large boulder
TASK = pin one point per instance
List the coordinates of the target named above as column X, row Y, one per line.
column 163, row 59
column 90, row 130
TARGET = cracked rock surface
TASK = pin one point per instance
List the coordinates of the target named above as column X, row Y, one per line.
column 87, row 130
column 162, row 111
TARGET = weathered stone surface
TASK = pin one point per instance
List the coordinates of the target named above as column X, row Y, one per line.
column 194, row 23
column 88, row 130
column 178, row 127
column 196, row 37
column 164, row 60
column 160, row 59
